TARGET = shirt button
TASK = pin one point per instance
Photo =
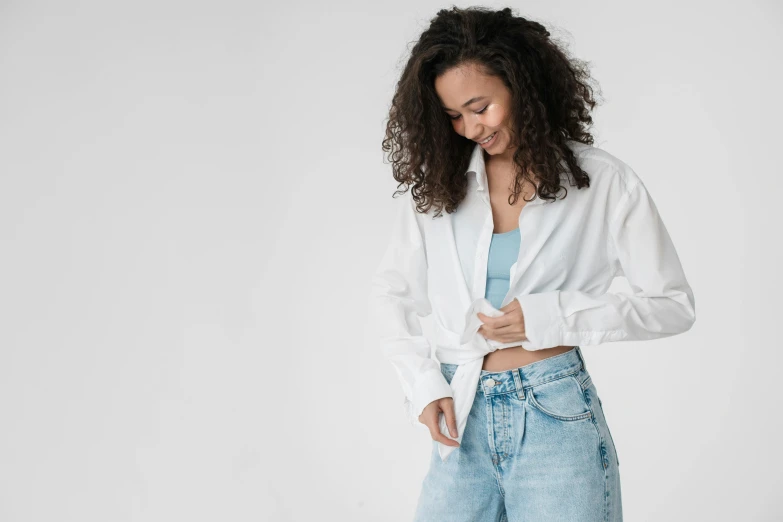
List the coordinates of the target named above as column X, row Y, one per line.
column 490, row 382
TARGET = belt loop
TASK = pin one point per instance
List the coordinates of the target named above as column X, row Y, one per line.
column 518, row 384
column 581, row 357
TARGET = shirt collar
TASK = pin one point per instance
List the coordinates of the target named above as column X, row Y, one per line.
column 478, row 167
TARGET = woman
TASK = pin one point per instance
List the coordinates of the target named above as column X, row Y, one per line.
column 489, row 122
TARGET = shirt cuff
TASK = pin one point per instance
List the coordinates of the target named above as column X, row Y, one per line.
column 542, row 319
column 430, row 386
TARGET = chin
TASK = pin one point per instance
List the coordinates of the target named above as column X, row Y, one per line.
column 499, row 146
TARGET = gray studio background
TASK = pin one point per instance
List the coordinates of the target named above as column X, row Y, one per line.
column 193, row 199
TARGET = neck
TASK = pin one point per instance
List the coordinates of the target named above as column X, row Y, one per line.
column 503, row 166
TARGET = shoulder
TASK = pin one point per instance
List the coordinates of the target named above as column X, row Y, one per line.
column 606, row 169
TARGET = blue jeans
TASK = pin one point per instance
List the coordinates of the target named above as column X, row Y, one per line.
column 536, row 448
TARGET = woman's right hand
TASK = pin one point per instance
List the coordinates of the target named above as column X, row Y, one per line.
column 431, row 415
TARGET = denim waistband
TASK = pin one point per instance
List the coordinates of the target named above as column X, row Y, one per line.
column 529, row 375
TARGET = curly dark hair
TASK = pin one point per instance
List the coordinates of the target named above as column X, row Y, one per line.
column 551, row 99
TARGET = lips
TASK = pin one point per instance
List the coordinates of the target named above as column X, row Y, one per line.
column 485, row 139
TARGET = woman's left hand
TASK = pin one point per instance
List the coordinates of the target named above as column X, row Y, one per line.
column 507, row 328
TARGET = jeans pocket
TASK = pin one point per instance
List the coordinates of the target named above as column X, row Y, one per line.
column 562, row 398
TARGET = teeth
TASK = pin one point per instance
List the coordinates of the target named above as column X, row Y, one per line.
column 490, row 137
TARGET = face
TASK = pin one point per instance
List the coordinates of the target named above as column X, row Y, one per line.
column 478, row 106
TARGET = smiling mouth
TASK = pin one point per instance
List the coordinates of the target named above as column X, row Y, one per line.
column 488, row 138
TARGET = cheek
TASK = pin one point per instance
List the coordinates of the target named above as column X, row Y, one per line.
column 494, row 115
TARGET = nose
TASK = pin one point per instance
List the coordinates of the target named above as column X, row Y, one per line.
column 473, row 131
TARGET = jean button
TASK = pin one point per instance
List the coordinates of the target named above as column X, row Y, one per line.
column 490, row 382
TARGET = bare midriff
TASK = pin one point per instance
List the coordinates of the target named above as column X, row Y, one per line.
column 516, row 356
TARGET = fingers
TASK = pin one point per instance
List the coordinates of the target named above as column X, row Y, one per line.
column 431, row 421
column 493, row 323
column 439, row 437
column 451, row 419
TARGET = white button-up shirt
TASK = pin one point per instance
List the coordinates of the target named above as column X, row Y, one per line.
column 571, row 250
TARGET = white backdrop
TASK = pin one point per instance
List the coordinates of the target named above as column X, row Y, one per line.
column 193, row 199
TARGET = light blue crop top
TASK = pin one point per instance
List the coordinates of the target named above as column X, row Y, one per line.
column 503, row 252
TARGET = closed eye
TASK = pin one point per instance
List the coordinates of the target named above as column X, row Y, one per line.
column 454, row 118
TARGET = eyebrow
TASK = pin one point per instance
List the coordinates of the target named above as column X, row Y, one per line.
column 472, row 100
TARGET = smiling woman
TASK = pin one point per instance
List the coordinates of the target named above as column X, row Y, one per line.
column 489, row 108
column 506, row 77
column 486, row 119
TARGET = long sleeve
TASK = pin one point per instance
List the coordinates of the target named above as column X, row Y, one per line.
column 398, row 299
column 662, row 303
